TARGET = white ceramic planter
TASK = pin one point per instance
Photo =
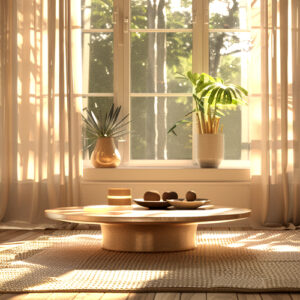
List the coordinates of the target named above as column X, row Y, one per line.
column 210, row 150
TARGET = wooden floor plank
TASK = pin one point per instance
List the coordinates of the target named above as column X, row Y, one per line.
column 221, row 296
column 25, row 235
column 115, row 296
column 26, row 296
column 295, row 296
column 193, row 296
column 275, row 296
column 141, row 296
column 4, row 232
column 20, row 238
column 38, row 296
column 10, row 296
column 167, row 296
column 21, row 235
column 62, row 296
column 8, row 234
column 252, row 296
column 89, row 296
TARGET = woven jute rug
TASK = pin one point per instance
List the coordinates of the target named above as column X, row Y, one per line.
column 250, row 261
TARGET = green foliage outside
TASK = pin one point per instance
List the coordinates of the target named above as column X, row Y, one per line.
column 173, row 54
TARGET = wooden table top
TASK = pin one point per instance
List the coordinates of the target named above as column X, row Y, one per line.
column 135, row 214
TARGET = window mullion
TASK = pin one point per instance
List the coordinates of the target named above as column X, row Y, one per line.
column 86, row 54
column 197, row 35
column 200, row 36
column 118, row 83
column 118, row 58
column 200, row 51
column 124, row 72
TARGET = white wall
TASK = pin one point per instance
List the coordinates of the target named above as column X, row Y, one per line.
column 230, row 187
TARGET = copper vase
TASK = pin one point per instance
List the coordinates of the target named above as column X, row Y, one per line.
column 105, row 154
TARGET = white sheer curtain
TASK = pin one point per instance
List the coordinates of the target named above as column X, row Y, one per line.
column 275, row 111
column 39, row 113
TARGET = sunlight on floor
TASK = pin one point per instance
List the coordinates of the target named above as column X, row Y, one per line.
column 276, row 242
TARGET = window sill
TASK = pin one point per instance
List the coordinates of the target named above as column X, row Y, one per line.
column 229, row 171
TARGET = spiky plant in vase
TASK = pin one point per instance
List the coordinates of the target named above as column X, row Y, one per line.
column 211, row 97
column 102, row 128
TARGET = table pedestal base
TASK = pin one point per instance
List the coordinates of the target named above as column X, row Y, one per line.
column 159, row 237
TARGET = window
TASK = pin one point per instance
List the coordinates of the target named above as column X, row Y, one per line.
column 133, row 51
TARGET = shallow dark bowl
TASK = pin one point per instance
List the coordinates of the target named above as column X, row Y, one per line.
column 152, row 204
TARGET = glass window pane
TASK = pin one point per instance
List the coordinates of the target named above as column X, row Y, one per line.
column 156, row 58
column 152, row 117
column 228, row 55
column 232, row 128
column 225, row 14
column 161, row 14
column 95, row 103
column 97, row 14
column 97, row 62
column 229, row 60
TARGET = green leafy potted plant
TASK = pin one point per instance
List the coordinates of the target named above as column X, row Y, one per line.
column 211, row 97
column 102, row 129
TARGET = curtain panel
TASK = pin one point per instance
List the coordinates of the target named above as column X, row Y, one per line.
column 275, row 111
column 40, row 108
column 5, row 93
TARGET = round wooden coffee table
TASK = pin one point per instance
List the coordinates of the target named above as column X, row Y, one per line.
column 137, row 229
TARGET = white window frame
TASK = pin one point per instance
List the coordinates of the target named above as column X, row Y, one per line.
column 121, row 94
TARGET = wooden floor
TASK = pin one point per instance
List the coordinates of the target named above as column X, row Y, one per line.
column 14, row 237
